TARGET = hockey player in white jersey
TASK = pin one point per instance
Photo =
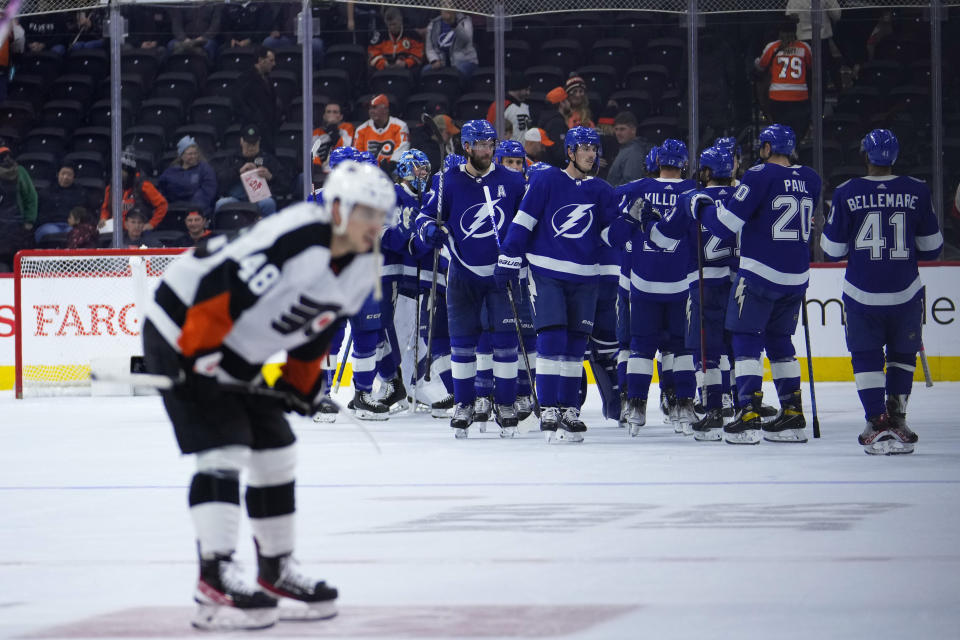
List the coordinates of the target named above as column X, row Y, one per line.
column 218, row 314
column 883, row 224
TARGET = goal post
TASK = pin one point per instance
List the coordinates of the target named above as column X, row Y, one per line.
column 74, row 308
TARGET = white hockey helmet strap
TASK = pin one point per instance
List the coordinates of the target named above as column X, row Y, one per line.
column 354, row 183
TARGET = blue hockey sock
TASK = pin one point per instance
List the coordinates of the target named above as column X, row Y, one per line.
column 900, row 368
column 868, row 374
column 622, row 357
column 364, row 360
column 726, row 380
column 665, row 370
column 571, row 370
column 684, row 377
column 747, row 367
column 550, row 345
column 712, row 386
column 484, row 385
column 784, row 366
column 505, row 366
column 640, row 367
column 463, row 365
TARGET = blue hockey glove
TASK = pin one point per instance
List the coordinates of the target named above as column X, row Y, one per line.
column 432, row 235
column 692, row 203
column 507, row 271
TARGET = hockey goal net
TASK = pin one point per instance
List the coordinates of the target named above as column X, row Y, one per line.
column 77, row 308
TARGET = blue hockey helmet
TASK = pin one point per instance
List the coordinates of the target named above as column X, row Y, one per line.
column 453, row 160
column 407, row 167
column 474, row 130
column 780, row 137
column 719, row 160
column 673, row 153
column 582, row 135
column 340, row 154
column 651, row 160
column 368, row 157
column 881, row 147
column 730, row 143
column 509, row 149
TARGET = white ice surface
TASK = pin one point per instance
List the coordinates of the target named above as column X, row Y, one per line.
column 654, row 537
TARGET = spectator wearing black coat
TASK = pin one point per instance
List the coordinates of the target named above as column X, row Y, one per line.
column 251, row 157
column 57, row 202
column 255, row 100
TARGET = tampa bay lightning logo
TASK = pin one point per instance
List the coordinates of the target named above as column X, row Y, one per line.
column 572, row 221
column 475, row 221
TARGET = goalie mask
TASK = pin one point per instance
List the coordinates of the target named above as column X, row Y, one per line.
column 410, row 169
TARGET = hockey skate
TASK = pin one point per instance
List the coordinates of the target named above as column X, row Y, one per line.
column 709, row 428
column 745, row 428
column 366, row 408
column 767, row 411
column 461, row 420
column 636, row 415
column 328, row 410
column 506, row 417
column 904, row 435
column 442, row 408
column 622, row 422
column 665, row 402
column 727, row 402
column 310, row 599
column 571, row 427
column 877, row 438
column 482, row 409
column 225, row 602
column 789, row 424
column 394, row 395
column 524, row 407
column 549, row 421
column 686, row 416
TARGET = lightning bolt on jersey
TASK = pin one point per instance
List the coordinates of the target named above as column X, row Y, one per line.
column 719, row 255
column 474, row 243
column 559, row 223
column 772, row 209
column 655, row 272
column 885, row 224
column 272, row 288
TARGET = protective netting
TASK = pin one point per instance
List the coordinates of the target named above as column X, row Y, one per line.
column 77, row 310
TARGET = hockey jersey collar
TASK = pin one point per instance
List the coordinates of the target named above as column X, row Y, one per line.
column 490, row 169
column 880, row 178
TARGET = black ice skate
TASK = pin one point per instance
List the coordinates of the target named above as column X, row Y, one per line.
column 461, row 420
column 745, row 428
column 549, row 421
column 225, row 602
column 789, row 424
column 482, row 411
column 571, row 427
column 668, row 403
column 366, row 408
column 442, row 408
column 394, row 395
column 906, row 438
column 877, row 438
column 709, row 428
column 686, row 416
column 728, row 409
column 312, row 599
column 506, row 417
column 636, row 415
column 328, row 411
column 524, row 407
column 622, row 422
column 767, row 411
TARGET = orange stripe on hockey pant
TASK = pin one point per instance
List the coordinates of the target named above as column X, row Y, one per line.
column 207, row 324
column 302, row 375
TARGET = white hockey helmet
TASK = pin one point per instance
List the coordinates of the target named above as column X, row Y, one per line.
column 354, row 183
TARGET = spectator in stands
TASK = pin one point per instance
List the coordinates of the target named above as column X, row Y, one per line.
column 251, row 157
column 580, row 114
column 66, row 195
column 85, row 29
column 448, row 132
column 553, row 117
column 196, row 224
column 450, row 43
column 382, row 135
column 45, row 32
column 149, row 29
column 190, row 178
column 335, row 126
column 135, row 232
column 195, row 29
column 83, row 232
column 284, row 34
column 789, row 62
column 516, row 111
column 830, row 53
column 629, row 162
column 18, row 208
column 244, row 24
column 535, row 143
column 137, row 192
column 255, row 100
column 396, row 50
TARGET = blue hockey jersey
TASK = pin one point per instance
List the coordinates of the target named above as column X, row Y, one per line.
column 398, row 239
column 657, row 272
column 719, row 255
column 558, row 225
column 772, row 209
column 886, row 224
column 473, row 242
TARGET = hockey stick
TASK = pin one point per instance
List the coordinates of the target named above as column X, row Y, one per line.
column 432, row 301
column 813, row 393
column 343, row 363
column 513, row 305
column 703, row 331
column 168, row 383
column 926, row 366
